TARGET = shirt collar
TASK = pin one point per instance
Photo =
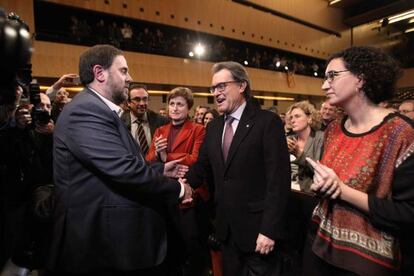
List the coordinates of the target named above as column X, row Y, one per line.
column 118, row 110
column 239, row 111
column 143, row 119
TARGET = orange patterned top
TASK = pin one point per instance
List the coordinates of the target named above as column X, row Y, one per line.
column 366, row 162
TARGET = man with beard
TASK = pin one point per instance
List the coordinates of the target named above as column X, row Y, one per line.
column 141, row 121
column 107, row 218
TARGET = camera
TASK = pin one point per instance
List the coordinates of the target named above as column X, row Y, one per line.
column 39, row 115
column 15, row 52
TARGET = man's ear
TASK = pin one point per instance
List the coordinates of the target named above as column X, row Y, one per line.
column 243, row 86
column 99, row 73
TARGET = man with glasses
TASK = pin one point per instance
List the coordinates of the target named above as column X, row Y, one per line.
column 141, row 121
column 245, row 153
column 407, row 108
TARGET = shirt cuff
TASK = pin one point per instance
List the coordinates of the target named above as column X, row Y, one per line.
column 182, row 190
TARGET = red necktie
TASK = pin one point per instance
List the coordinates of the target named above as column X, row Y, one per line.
column 228, row 136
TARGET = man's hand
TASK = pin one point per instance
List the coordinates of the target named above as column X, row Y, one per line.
column 175, row 170
column 264, row 245
column 188, row 192
column 23, row 117
column 45, row 129
column 65, row 80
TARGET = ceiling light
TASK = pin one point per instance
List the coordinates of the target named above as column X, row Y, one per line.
column 334, row 2
column 409, row 30
column 399, row 17
column 199, row 50
column 275, row 98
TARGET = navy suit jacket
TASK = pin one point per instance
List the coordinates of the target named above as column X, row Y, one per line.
column 252, row 187
column 108, row 200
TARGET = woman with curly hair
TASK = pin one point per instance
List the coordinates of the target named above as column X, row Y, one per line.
column 363, row 224
column 306, row 141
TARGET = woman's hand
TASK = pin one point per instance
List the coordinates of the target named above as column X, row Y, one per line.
column 325, row 181
column 160, row 144
column 293, row 146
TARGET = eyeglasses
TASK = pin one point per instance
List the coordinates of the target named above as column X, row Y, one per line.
column 405, row 111
column 138, row 99
column 330, row 75
column 220, row 86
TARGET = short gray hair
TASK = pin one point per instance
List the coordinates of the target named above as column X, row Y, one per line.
column 238, row 73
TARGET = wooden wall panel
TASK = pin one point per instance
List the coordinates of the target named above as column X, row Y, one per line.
column 407, row 80
column 54, row 59
column 314, row 11
column 226, row 15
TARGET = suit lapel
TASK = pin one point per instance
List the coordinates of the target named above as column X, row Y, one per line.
column 183, row 135
column 309, row 143
column 245, row 124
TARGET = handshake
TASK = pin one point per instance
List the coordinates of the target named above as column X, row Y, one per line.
column 175, row 170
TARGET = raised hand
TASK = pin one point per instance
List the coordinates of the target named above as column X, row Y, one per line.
column 325, row 181
column 292, row 143
column 174, row 169
column 160, row 144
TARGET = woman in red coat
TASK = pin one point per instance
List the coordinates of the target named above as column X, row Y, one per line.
column 182, row 139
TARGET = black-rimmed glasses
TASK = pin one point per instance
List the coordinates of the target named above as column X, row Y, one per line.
column 330, row 75
column 220, row 86
column 139, row 99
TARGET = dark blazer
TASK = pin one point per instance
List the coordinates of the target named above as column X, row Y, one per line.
column 252, row 187
column 107, row 213
column 154, row 120
column 313, row 149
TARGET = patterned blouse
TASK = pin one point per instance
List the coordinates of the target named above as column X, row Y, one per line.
column 346, row 237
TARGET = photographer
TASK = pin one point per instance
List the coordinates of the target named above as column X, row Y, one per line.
column 58, row 95
column 33, row 199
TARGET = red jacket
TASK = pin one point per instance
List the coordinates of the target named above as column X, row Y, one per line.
column 186, row 144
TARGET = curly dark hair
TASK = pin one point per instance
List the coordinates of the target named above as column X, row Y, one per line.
column 378, row 70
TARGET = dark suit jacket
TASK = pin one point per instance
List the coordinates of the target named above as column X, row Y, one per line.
column 252, row 187
column 106, row 213
column 154, row 120
column 187, row 143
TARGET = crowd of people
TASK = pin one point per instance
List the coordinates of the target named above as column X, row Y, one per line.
column 140, row 36
column 102, row 185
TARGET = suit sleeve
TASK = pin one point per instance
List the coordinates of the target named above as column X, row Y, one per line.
column 394, row 213
column 94, row 137
column 201, row 169
column 191, row 156
column 277, row 170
